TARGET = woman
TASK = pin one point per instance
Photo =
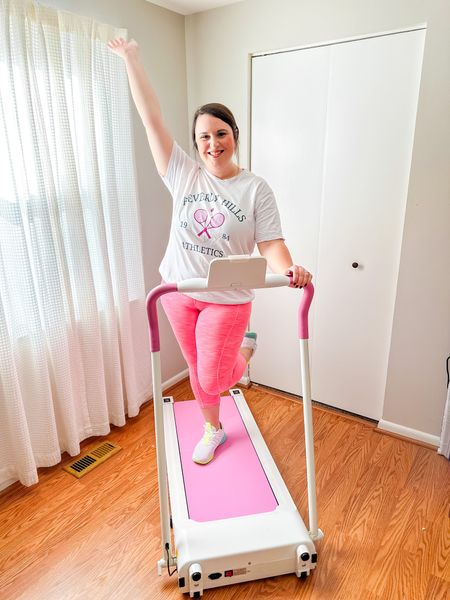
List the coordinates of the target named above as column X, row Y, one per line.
column 219, row 210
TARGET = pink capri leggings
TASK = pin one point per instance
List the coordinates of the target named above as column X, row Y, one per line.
column 209, row 336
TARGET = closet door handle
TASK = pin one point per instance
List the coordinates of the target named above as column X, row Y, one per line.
column 355, row 265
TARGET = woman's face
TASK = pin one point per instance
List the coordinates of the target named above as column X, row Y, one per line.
column 215, row 143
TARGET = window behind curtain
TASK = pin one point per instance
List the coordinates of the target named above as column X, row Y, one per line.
column 72, row 297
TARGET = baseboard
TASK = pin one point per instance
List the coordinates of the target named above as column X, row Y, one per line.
column 175, row 379
column 407, row 432
column 244, row 381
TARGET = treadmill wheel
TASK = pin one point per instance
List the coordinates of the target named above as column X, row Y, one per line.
column 304, row 556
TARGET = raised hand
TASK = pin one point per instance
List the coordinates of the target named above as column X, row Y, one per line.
column 122, row 48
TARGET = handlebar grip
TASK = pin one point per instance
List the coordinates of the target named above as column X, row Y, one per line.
column 303, row 310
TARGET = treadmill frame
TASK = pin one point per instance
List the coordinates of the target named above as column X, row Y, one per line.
column 250, row 552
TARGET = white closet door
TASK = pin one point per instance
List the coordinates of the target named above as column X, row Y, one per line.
column 369, row 117
column 372, row 106
column 289, row 94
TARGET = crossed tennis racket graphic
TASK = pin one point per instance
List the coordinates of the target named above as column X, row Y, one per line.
column 208, row 221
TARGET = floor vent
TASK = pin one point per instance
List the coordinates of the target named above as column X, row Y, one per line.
column 92, row 459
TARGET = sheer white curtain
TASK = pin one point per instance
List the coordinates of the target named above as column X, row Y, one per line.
column 73, row 336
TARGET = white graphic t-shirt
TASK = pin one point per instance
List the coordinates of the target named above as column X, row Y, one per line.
column 214, row 218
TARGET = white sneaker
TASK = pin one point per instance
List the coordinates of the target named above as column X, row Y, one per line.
column 204, row 450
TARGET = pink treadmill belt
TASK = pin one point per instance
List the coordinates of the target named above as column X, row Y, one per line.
column 234, row 484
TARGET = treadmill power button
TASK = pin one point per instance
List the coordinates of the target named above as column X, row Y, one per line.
column 229, row 573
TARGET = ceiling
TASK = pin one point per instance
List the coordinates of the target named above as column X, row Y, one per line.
column 188, row 7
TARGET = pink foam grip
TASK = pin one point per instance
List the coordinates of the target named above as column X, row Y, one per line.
column 234, row 483
column 152, row 314
column 303, row 309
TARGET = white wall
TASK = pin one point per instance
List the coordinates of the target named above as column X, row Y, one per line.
column 161, row 38
column 218, row 43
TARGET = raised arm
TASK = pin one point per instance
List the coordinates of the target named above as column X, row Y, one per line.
column 146, row 101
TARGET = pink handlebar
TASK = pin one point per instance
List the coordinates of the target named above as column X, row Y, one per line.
column 152, row 315
column 160, row 290
column 303, row 309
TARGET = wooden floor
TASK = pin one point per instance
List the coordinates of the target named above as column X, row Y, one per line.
column 383, row 504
